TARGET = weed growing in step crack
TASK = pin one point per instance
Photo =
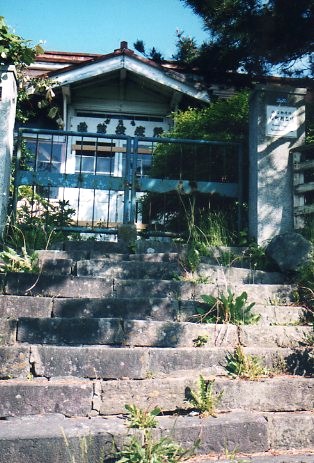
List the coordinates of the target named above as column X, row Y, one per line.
column 204, row 400
column 200, row 341
column 141, row 419
column 146, row 449
column 245, row 366
column 227, row 308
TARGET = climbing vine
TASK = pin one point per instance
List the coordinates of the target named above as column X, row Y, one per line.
column 33, row 93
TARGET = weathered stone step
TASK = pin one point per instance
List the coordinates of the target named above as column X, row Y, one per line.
column 293, row 456
column 147, row 333
column 138, row 363
column 173, row 269
column 139, row 308
column 89, row 287
column 53, row 438
column 126, row 270
column 98, row 248
column 158, row 266
column 46, row 256
column 81, row 397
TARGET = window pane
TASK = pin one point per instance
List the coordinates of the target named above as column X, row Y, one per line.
column 84, row 164
column 103, row 165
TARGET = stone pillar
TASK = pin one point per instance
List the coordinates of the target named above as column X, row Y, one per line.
column 277, row 124
column 8, row 95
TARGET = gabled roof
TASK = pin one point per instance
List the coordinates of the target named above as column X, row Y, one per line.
column 84, row 67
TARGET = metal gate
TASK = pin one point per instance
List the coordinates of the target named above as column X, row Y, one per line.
column 110, row 179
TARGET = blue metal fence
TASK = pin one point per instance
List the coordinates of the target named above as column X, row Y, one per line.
column 112, row 179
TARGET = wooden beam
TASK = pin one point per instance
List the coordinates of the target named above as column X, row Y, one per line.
column 108, row 149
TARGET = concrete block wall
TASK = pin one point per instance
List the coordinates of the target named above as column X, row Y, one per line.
column 8, row 96
column 277, row 124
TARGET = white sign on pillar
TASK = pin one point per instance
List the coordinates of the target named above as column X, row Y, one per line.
column 282, row 121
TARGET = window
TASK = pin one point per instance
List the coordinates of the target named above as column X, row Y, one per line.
column 94, row 158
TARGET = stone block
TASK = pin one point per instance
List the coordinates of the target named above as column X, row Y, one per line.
column 279, row 314
column 262, row 294
column 245, row 432
column 56, row 266
column 220, row 275
column 56, row 439
column 58, row 286
column 14, row 362
column 156, row 257
column 135, row 308
column 177, row 334
column 273, row 336
column 291, row 430
column 24, row 306
column 180, row 360
column 286, row 393
column 70, row 331
column 89, row 362
column 8, row 329
column 168, row 393
column 289, row 251
column 70, row 397
column 127, row 270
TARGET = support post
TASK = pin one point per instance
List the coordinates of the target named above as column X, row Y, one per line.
column 8, row 95
column 277, row 124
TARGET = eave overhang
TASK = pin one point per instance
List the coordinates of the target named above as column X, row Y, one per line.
column 157, row 74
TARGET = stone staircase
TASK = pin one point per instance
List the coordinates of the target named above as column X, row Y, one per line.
column 99, row 328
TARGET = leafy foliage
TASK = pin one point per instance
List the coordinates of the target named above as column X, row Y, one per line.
column 153, row 54
column 37, row 100
column 255, row 36
column 305, row 279
column 148, row 450
column 244, row 366
column 187, row 49
column 200, row 341
column 227, row 308
column 14, row 49
column 11, row 261
column 205, row 400
column 37, row 221
column 224, row 119
column 34, row 94
column 141, row 419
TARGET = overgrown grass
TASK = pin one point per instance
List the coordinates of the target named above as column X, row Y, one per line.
column 227, row 308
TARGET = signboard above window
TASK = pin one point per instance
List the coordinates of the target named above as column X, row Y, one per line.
column 281, row 121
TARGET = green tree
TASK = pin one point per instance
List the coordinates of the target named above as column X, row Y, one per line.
column 35, row 95
column 256, row 36
column 153, row 53
column 14, row 49
column 222, row 120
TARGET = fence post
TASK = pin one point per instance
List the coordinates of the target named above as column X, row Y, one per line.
column 8, row 95
column 277, row 120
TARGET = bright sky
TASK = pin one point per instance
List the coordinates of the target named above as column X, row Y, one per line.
column 98, row 26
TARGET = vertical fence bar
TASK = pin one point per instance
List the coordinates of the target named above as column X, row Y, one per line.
column 240, row 186
column 16, row 174
column 131, row 180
